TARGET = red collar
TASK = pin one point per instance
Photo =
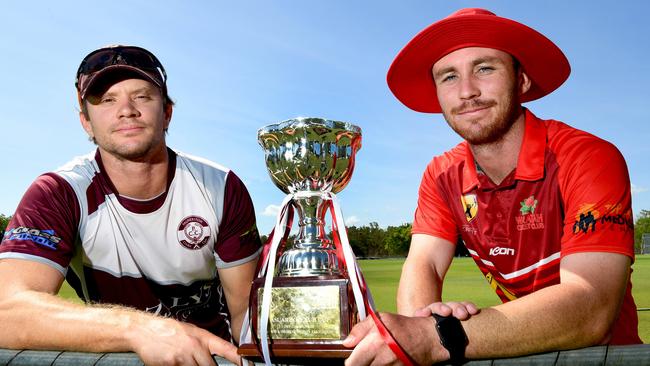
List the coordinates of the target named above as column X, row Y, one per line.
column 530, row 164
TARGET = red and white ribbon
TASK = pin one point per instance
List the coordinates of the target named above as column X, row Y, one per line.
column 362, row 296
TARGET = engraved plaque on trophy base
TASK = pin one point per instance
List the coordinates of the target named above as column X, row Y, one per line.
column 309, row 318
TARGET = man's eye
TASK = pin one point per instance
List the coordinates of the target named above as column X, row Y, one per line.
column 448, row 78
column 484, row 69
column 143, row 96
column 106, row 100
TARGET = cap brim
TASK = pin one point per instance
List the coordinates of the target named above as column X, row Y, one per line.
column 92, row 80
column 410, row 78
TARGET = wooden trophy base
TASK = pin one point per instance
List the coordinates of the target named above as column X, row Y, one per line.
column 309, row 318
column 297, row 354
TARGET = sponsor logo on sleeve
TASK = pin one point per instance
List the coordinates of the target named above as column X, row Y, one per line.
column 589, row 219
column 618, row 217
column 193, row 232
column 43, row 237
column 470, row 206
column 586, row 219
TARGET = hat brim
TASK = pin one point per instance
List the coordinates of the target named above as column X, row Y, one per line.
column 410, row 77
column 95, row 78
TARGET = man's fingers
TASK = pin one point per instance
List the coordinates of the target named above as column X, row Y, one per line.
column 367, row 349
column 358, row 332
column 422, row 312
column 220, row 347
column 471, row 308
column 461, row 310
column 203, row 358
column 440, row 308
column 458, row 310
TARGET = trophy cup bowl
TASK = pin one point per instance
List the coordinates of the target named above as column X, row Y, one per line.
column 311, row 310
column 310, row 154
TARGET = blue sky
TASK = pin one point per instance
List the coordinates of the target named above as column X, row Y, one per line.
column 236, row 66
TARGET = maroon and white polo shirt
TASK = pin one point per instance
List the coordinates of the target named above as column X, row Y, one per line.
column 159, row 255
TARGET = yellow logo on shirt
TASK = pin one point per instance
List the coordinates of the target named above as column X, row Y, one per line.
column 495, row 284
column 470, row 206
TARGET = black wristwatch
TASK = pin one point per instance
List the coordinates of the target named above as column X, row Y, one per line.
column 452, row 337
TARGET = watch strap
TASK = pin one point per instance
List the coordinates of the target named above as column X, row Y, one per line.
column 452, row 337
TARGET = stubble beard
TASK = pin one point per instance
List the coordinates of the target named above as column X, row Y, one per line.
column 479, row 134
column 134, row 151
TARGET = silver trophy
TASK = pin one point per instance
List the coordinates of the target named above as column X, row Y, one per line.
column 313, row 304
column 310, row 156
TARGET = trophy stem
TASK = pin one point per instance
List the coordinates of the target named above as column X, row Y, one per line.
column 311, row 211
column 312, row 253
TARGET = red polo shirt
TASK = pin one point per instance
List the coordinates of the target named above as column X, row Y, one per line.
column 570, row 193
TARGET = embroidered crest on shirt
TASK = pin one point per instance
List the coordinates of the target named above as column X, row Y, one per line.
column 528, row 205
column 529, row 220
column 193, row 232
column 470, row 206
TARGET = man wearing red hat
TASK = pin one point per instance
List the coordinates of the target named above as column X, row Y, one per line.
column 162, row 243
column 544, row 209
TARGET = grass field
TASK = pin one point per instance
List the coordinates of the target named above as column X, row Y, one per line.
column 465, row 282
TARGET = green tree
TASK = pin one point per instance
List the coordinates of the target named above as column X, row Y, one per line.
column 398, row 239
column 375, row 237
column 367, row 241
column 357, row 240
column 641, row 226
column 4, row 221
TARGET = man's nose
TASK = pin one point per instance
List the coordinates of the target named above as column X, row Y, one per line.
column 127, row 109
column 468, row 88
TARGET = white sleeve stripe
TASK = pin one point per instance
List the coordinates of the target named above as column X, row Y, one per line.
column 523, row 271
column 222, row 264
column 34, row 258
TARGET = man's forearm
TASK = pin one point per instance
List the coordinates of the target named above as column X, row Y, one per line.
column 419, row 286
column 557, row 317
column 35, row 320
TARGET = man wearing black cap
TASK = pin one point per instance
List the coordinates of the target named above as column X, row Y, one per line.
column 544, row 209
column 163, row 244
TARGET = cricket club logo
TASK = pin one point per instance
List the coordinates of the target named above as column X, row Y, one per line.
column 470, row 206
column 528, row 206
column 193, row 232
column 530, row 218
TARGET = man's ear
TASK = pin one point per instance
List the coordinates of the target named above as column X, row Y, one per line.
column 85, row 123
column 524, row 82
column 169, row 109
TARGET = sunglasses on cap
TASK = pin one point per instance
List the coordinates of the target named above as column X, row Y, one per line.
column 130, row 56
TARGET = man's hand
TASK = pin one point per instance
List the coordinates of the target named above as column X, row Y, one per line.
column 416, row 336
column 164, row 341
column 460, row 310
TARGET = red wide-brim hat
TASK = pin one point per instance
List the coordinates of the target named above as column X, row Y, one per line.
column 410, row 77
